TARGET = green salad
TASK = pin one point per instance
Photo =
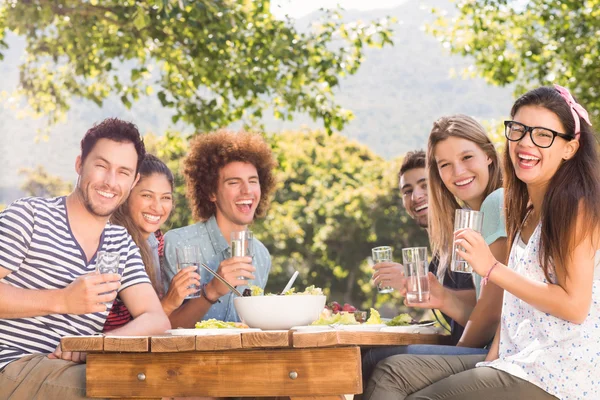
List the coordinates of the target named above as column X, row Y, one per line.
column 400, row 320
column 217, row 324
column 342, row 318
column 311, row 290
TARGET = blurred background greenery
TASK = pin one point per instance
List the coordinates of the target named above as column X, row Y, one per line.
column 342, row 94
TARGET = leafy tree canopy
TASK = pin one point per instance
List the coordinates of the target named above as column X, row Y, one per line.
column 212, row 62
column 528, row 43
column 39, row 183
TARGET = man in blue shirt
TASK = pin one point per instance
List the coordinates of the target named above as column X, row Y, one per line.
column 229, row 180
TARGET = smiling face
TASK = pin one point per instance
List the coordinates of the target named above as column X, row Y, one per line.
column 464, row 169
column 413, row 186
column 534, row 165
column 106, row 176
column 238, row 194
column 150, row 203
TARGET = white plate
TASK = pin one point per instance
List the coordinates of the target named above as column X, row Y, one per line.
column 361, row 327
column 312, row 328
column 207, row 332
column 424, row 329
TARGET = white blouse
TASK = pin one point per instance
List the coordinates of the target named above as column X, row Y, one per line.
column 560, row 357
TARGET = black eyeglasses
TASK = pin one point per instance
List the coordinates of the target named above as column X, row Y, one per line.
column 541, row 137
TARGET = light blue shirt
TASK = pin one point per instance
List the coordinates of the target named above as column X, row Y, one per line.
column 493, row 225
column 213, row 249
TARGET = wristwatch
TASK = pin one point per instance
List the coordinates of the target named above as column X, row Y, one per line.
column 203, row 294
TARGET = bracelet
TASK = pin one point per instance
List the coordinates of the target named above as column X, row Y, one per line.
column 485, row 280
column 203, row 293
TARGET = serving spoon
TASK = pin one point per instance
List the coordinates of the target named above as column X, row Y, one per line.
column 290, row 282
column 219, row 277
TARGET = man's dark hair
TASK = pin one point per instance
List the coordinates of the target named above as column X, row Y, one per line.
column 412, row 160
column 116, row 130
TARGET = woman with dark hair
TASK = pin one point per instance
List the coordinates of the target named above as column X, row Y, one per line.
column 147, row 208
column 546, row 346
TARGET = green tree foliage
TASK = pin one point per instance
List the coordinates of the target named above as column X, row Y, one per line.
column 528, row 43
column 215, row 61
column 335, row 200
column 39, row 183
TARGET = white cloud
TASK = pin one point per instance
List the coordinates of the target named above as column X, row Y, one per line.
column 299, row 8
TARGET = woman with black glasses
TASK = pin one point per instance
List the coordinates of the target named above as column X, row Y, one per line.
column 547, row 344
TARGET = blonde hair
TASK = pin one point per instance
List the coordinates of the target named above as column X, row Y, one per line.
column 442, row 203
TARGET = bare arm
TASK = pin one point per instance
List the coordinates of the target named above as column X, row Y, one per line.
column 569, row 299
column 189, row 313
column 148, row 316
column 467, row 296
column 493, row 354
column 192, row 311
column 82, row 296
column 484, row 319
column 457, row 304
column 482, row 323
column 148, row 319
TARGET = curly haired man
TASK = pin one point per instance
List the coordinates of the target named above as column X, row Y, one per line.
column 229, row 179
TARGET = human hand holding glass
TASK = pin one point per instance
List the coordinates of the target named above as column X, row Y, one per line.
column 242, row 246
column 107, row 263
column 392, row 274
column 464, row 219
column 188, row 257
column 382, row 254
column 474, row 250
column 417, row 283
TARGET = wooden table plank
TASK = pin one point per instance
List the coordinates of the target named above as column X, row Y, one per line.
column 171, row 344
column 220, row 342
column 127, row 344
column 266, row 339
column 339, row 338
column 251, row 373
column 82, row 343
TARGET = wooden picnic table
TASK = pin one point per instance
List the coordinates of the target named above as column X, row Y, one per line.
column 247, row 364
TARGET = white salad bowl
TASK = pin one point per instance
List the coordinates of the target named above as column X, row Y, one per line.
column 279, row 312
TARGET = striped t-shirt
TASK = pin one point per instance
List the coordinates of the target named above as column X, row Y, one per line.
column 38, row 247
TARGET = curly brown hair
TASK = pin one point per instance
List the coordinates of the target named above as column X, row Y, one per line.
column 212, row 151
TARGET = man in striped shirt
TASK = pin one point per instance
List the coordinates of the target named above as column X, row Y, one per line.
column 48, row 284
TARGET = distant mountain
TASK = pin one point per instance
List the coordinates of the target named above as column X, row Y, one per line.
column 396, row 95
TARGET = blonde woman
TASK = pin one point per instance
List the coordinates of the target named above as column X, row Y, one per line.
column 464, row 171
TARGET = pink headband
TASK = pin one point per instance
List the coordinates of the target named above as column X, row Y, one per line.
column 576, row 109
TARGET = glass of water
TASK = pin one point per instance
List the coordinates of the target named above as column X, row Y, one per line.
column 241, row 245
column 189, row 256
column 382, row 254
column 107, row 263
column 415, row 269
column 464, row 219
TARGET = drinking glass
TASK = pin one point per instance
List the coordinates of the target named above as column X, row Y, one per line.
column 241, row 245
column 188, row 256
column 464, row 219
column 382, row 254
column 107, row 263
column 415, row 269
